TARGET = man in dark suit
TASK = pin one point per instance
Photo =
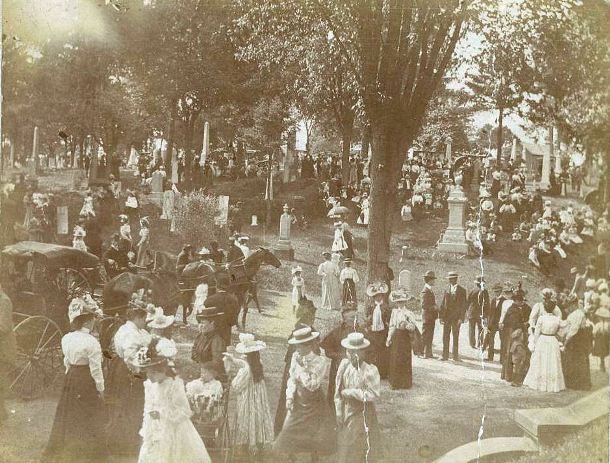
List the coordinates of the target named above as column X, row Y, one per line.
column 453, row 309
column 184, row 258
column 492, row 319
column 115, row 259
column 226, row 303
column 429, row 313
column 478, row 304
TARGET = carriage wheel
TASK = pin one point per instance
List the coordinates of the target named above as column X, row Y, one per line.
column 39, row 356
column 70, row 282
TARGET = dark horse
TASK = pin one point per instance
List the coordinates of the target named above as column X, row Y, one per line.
column 241, row 274
column 161, row 285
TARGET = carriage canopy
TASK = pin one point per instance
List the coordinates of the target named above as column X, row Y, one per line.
column 55, row 255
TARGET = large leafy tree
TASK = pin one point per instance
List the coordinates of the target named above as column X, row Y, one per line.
column 397, row 52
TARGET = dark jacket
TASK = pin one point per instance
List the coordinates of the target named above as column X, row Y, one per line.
column 428, row 306
column 121, row 261
column 478, row 303
column 226, row 302
column 208, row 348
column 454, row 306
column 8, row 346
column 493, row 313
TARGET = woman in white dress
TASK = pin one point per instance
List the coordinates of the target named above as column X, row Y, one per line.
column 331, row 295
column 143, row 246
column 363, row 218
column 545, row 372
column 168, row 435
column 339, row 243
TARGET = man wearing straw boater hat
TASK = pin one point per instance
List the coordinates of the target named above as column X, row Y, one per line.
column 309, row 424
column 377, row 316
column 358, row 385
column 429, row 313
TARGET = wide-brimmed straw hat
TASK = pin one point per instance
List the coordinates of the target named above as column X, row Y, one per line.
column 248, row 343
column 355, row 341
column 296, row 269
column 123, row 218
column 160, row 320
column 158, row 352
column 377, row 288
column 452, row 275
column 602, row 312
column 548, row 293
column 399, row 295
column 303, row 335
column 83, row 305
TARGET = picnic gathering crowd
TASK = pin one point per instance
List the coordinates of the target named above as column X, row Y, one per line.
column 126, row 396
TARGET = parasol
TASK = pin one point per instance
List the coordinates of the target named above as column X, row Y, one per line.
column 338, row 210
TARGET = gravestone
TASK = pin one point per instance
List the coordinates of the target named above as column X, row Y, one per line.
column 156, row 188
column 175, row 178
column 454, row 237
column 222, row 215
column 284, row 248
column 254, row 221
column 404, row 280
column 62, row 220
column 168, row 205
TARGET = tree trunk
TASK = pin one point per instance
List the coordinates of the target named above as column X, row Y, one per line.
column 171, row 134
column 346, row 137
column 387, row 155
column 366, row 142
column 499, row 140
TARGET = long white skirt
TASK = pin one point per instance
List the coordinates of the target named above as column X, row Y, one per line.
column 545, row 373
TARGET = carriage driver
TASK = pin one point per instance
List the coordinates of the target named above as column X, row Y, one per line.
column 184, row 258
column 116, row 260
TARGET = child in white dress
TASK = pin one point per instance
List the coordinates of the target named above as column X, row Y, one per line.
column 168, row 435
column 298, row 287
column 78, row 240
column 204, row 393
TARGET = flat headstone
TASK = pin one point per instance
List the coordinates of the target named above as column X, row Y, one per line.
column 486, row 449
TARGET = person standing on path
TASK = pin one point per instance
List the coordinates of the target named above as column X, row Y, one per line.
column 358, row 385
column 478, row 304
column 77, row 433
column 349, row 278
column 429, row 313
column 492, row 319
column 329, row 271
column 452, row 312
column 401, row 328
column 309, row 425
column 377, row 318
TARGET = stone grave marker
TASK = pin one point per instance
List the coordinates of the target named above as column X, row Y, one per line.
column 404, row 280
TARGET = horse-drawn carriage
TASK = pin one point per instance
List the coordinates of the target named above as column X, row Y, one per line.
column 41, row 279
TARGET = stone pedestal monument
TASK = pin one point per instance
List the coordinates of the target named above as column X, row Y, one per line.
column 454, row 237
column 284, row 248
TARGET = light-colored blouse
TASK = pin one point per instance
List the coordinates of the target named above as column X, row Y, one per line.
column 401, row 318
column 363, row 385
column 309, row 375
column 81, row 348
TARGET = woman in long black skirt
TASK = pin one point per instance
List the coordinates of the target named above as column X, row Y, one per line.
column 77, row 432
column 399, row 341
column 577, row 347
